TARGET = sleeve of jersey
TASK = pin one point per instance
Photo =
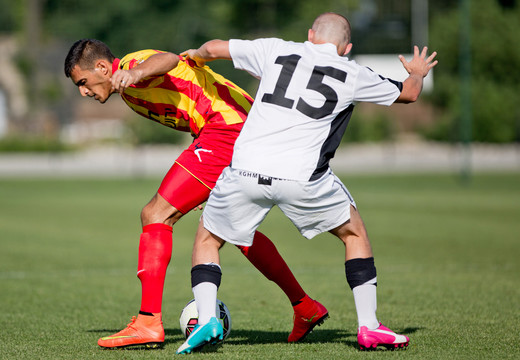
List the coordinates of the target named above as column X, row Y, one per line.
column 250, row 55
column 374, row 88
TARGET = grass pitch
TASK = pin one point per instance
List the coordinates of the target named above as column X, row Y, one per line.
column 447, row 257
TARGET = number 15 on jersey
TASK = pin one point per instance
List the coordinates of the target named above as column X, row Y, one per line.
column 278, row 96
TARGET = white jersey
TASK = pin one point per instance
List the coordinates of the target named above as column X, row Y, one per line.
column 304, row 101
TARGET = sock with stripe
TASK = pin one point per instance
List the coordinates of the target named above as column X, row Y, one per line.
column 362, row 278
column 205, row 281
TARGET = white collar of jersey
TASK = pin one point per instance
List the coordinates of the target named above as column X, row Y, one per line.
column 329, row 47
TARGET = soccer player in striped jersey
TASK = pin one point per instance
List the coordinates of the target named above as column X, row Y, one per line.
column 172, row 90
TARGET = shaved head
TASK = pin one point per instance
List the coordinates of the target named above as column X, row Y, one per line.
column 331, row 28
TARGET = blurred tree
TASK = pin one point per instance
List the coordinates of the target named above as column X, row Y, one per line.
column 507, row 3
column 495, row 56
column 10, row 16
column 175, row 25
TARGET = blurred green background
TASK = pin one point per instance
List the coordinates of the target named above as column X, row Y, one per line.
column 474, row 97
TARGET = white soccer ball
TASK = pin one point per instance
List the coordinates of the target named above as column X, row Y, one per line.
column 190, row 316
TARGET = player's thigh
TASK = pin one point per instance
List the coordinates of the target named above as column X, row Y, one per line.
column 354, row 227
column 182, row 189
column 237, row 205
column 316, row 206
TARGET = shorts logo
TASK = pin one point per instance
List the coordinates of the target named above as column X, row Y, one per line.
column 247, row 174
column 262, row 179
column 265, row 180
column 198, row 150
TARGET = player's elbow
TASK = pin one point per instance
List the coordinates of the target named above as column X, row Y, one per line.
column 407, row 99
column 409, row 94
column 171, row 59
column 412, row 98
column 216, row 49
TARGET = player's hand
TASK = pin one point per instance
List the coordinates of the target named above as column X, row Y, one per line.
column 193, row 54
column 419, row 65
column 122, row 79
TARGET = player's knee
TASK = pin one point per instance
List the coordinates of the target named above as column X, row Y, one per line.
column 209, row 241
column 148, row 214
column 154, row 214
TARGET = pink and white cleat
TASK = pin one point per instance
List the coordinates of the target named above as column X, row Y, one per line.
column 370, row 339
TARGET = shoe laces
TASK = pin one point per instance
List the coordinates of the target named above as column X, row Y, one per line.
column 130, row 324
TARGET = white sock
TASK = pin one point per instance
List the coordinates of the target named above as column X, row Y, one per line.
column 365, row 298
column 206, row 299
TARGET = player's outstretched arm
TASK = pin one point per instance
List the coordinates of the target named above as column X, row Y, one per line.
column 417, row 69
column 157, row 64
column 209, row 51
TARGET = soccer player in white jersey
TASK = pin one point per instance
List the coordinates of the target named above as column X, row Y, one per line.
column 306, row 95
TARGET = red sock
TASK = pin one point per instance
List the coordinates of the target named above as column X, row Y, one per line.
column 155, row 251
column 266, row 258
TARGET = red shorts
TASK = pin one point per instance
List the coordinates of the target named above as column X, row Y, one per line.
column 195, row 172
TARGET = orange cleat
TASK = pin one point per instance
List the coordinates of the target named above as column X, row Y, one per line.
column 143, row 330
column 307, row 315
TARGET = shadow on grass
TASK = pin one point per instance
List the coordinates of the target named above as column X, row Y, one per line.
column 250, row 337
column 246, row 337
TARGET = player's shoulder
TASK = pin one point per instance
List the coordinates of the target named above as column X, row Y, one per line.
column 262, row 40
column 137, row 57
column 262, row 43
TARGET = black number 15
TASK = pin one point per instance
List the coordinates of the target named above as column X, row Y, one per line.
column 289, row 63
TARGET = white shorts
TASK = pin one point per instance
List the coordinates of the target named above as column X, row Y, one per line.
column 241, row 200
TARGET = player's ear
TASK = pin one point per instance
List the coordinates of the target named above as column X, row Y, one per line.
column 310, row 35
column 348, row 49
column 103, row 67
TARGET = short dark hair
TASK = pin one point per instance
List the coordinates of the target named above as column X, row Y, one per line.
column 85, row 52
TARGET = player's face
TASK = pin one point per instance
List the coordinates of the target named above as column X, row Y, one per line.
column 93, row 83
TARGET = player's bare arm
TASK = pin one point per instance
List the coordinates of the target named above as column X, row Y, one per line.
column 418, row 68
column 211, row 50
column 157, row 64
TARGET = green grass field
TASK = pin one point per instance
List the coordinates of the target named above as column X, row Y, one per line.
column 447, row 257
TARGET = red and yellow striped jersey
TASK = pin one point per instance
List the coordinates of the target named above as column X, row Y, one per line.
column 186, row 98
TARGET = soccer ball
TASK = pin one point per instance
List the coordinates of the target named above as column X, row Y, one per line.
column 190, row 316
